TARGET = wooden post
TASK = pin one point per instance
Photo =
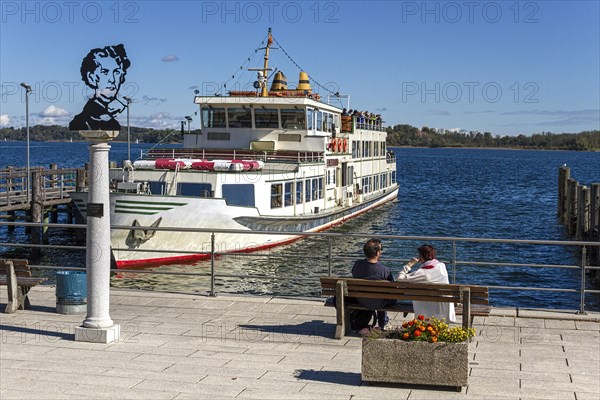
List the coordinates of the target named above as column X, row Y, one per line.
column 572, row 209
column 595, row 207
column 45, row 228
column 11, row 218
column 37, row 206
column 580, row 222
column 465, row 298
column 14, row 291
column 564, row 173
column 53, row 177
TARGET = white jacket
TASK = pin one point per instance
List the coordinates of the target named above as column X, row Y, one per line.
column 432, row 271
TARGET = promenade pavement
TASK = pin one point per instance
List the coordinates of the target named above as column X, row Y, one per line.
column 180, row 346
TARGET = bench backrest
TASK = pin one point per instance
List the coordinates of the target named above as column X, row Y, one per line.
column 21, row 267
column 402, row 290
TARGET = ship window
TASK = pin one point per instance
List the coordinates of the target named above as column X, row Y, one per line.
column 266, row 118
column 329, row 122
column 239, row 118
column 276, row 195
column 354, row 149
column 315, row 189
column 194, row 189
column 376, row 149
column 393, row 178
column 320, row 121
column 299, row 192
column 307, row 190
column 157, row 187
column 293, row 119
column 213, row 117
column 288, row 194
column 239, row 194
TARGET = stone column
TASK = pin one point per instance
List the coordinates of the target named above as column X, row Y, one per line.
column 98, row 327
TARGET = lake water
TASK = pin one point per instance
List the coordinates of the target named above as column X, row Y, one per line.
column 508, row 194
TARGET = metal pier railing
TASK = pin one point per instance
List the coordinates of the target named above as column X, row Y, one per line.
column 458, row 253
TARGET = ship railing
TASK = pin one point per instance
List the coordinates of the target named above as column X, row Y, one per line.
column 368, row 124
column 234, row 154
column 465, row 258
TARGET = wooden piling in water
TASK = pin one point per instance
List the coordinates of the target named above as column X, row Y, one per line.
column 36, row 210
column 564, row 173
column 571, row 205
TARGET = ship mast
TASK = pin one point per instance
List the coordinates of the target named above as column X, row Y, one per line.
column 264, row 92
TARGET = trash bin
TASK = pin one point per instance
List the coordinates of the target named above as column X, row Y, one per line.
column 71, row 292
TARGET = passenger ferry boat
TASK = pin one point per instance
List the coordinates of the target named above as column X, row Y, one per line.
column 277, row 159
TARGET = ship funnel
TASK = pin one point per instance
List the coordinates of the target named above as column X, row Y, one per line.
column 303, row 82
column 279, row 82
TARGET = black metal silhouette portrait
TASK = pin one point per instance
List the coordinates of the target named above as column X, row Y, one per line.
column 104, row 71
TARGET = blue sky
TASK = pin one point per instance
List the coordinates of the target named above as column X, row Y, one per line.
column 507, row 67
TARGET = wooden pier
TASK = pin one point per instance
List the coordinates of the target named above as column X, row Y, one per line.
column 579, row 210
column 40, row 197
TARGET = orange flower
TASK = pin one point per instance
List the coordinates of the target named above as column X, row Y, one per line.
column 422, row 328
column 421, row 317
column 429, row 328
column 417, row 333
column 406, row 335
column 411, row 323
column 404, row 324
column 434, row 339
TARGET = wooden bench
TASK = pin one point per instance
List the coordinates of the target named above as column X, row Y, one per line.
column 474, row 300
column 16, row 276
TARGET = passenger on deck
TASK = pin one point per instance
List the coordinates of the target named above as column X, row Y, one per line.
column 431, row 271
column 344, row 113
column 371, row 268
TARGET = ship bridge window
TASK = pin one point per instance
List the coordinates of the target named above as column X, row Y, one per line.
column 194, row 189
column 276, row 195
column 239, row 195
column 239, row 118
column 266, row 118
column 293, row 119
column 310, row 115
column 213, row 117
column 288, row 193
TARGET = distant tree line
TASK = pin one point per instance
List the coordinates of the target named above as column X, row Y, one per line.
column 61, row 133
column 407, row 135
column 398, row 135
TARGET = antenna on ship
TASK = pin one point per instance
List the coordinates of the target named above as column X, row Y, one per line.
column 263, row 73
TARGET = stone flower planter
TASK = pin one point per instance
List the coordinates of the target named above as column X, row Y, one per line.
column 418, row 363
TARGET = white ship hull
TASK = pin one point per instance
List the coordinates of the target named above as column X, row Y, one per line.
column 142, row 248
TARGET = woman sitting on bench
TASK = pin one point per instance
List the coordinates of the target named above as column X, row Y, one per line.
column 431, row 271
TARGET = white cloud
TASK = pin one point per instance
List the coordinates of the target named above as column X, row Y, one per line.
column 4, row 120
column 170, row 58
column 53, row 111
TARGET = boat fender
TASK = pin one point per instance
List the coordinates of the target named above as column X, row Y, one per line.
column 339, row 145
column 345, row 145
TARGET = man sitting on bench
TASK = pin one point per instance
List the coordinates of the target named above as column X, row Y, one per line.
column 431, row 271
column 370, row 268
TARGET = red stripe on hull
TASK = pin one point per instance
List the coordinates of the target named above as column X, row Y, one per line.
column 193, row 258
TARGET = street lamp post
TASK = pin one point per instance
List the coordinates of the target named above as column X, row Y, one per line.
column 128, row 100
column 27, row 92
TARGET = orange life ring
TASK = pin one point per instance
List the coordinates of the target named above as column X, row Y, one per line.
column 345, row 145
column 339, row 145
column 332, row 145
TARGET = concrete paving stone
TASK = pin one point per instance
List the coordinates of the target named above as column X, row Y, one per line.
column 578, row 335
column 587, row 326
column 108, row 392
column 516, row 375
column 68, row 353
column 250, row 393
column 283, row 388
column 52, row 365
column 499, row 321
column 523, row 393
column 167, row 359
column 503, row 312
column 232, row 370
column 593, row 354
column 559, row 324
column 256, row 358
column 126, row 371
column 492, row 364
column 32, row 384
column 319, row 389
column 484, row 357
column 591, row 377
column 548, row 385
column 66, row 376
column 584, row 395
column 217, row 305
column 145, row 349
column 584, row 365
column 199, row 388
column 19, row 348
column 549, row 364
column 34, row 395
